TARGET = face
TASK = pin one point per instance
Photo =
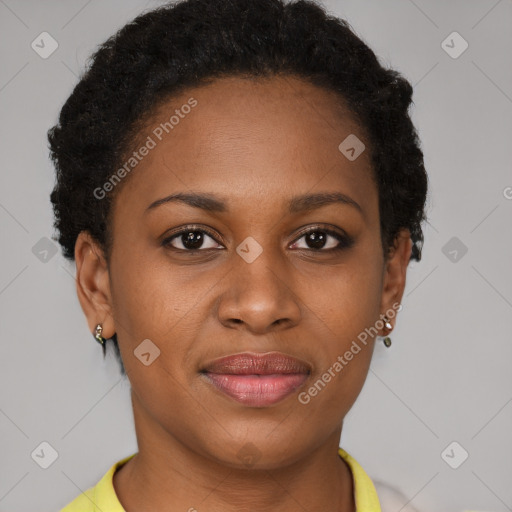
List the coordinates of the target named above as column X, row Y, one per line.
column 255, row 267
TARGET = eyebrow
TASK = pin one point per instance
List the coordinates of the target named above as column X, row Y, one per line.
column 298, row 204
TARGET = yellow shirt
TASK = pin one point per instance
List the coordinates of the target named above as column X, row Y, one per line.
column 102, row 497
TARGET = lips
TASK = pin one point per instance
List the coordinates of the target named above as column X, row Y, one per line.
column 249, row 363
column 257, row 380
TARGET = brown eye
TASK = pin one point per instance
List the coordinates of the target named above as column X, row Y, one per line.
column 323, row 240
column 191, row 240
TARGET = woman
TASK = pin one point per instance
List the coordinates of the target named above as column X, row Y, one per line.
column 242, row 189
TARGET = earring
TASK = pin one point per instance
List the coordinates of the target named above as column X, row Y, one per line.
column 97, row 335
column 387, row 324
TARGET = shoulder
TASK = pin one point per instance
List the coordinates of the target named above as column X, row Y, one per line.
column 82, row 503
column 391, row 499
column 100, row 498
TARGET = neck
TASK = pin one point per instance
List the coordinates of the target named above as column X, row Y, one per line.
column 168, row 475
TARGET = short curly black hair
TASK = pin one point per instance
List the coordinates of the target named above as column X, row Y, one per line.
column 192, row 42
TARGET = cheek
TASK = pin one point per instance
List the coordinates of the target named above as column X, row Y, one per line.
column 166, row 307
column 346, row 306
column 343, row 366
column 347, row 299
column 150, row 299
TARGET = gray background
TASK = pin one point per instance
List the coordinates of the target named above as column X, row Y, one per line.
column 447, row 375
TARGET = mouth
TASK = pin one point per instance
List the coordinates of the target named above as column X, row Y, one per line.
column 257, row 380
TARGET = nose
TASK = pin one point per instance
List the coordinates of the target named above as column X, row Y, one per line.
column 259, row 296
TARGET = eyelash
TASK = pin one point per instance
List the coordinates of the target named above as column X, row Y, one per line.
column 345, row 241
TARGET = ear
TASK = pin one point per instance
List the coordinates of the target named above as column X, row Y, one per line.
column 395, row 273
column 93, row 284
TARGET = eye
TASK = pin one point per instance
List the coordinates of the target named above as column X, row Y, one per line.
column 191, row 239
column 317, row 239
column 322, row 239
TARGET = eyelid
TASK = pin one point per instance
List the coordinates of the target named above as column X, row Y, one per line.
column 328, row 228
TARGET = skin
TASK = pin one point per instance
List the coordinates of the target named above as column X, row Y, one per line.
column 255, row 144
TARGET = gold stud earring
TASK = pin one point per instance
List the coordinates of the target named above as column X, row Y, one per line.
column 97, row 335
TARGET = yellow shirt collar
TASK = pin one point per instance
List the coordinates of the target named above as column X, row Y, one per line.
column 102, row 497
column 365, row 494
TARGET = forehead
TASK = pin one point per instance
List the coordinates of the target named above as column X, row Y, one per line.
column 250, row 139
